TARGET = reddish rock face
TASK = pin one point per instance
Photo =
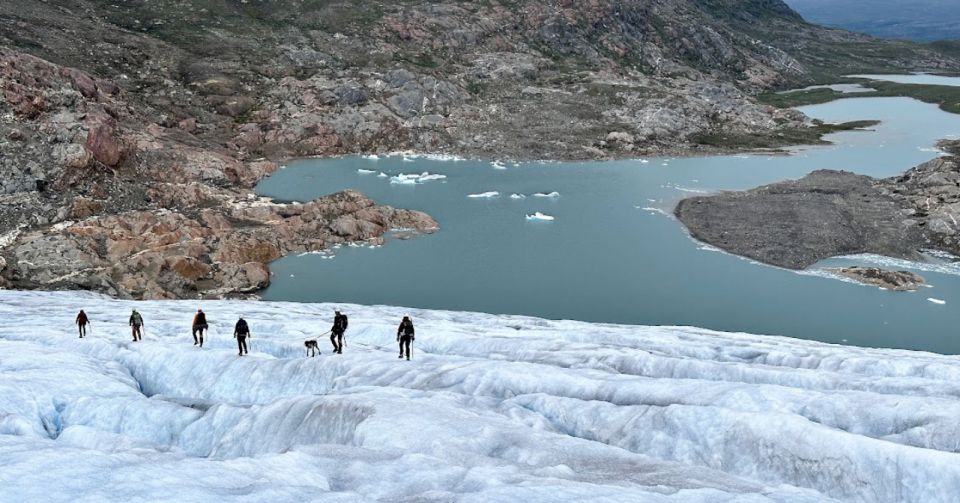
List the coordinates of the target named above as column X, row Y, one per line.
column 226, row 250
column 23, row 101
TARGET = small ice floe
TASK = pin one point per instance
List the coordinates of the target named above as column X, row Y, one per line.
column 937, row 301
column 426, row 177
column 547, row 194
column 408, row 158
column 382, row 175
column 404, row 179
column 498, row 165
column 483, row 195
column 443, row 157
column 644, row 161
column 366, row 171
column 540, row 217
column 517, row 196
column 372, row 157
column 414, row 178
column 651, row 209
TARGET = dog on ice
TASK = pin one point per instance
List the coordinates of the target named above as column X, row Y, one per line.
column 312, row 348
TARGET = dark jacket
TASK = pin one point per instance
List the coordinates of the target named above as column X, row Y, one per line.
column 136, row 320
column 82, row 318
column 405, row 328
column 339, row 324
column 200, row 320
column 242, row 329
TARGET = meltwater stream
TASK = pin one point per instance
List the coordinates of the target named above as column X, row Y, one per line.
column 613, row 253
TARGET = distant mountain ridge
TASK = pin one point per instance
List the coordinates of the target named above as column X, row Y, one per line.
column 918, row 20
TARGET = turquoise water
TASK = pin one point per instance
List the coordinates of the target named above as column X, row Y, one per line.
column 918, row 78
column 613, row 252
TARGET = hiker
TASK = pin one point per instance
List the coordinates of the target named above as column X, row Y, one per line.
column 405, row 335
column 199, row 325
column 136, row 323
column 82, row 322
column 240, row 333
column 336, row 333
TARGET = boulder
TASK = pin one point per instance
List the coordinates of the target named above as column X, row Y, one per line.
column 84, row 83
column 102, row 141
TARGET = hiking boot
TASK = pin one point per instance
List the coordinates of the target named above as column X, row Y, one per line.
column 401, row 355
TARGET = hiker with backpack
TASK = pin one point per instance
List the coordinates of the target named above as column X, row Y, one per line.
column 136, row 325
column 336, row 333
column 405, row 335
column 199, row 325
column 240, row 332
column 82, row 322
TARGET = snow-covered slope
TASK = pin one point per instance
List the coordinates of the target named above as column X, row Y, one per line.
column 492, row 408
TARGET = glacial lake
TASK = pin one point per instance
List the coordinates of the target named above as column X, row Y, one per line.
column 916, row 78
column 613, row 252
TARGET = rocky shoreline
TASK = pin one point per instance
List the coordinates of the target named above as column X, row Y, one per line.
column 794, row 224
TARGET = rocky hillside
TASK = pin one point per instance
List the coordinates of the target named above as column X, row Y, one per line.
column 133, row 132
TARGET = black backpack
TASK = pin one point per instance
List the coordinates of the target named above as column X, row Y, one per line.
column 342, row 322
column 242, row 328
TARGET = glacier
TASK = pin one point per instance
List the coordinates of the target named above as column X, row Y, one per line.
column 491, row 408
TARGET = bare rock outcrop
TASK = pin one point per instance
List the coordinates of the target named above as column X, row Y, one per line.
column 901, row 281
column 795, row 224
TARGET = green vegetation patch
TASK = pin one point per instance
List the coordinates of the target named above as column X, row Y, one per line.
column 787, row 137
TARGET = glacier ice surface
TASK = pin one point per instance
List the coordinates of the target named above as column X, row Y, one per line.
column 491, row 408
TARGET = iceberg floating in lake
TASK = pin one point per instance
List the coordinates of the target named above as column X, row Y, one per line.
column 382, row 175
column 403, row 179
column 366, row 171
column 484, row 195
column 540, row 216
column 547, row 194
column 498, row 165
column 517, row 196
column 372, row 157
column 937, row 301
column 426, row 177
column 414, row 178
